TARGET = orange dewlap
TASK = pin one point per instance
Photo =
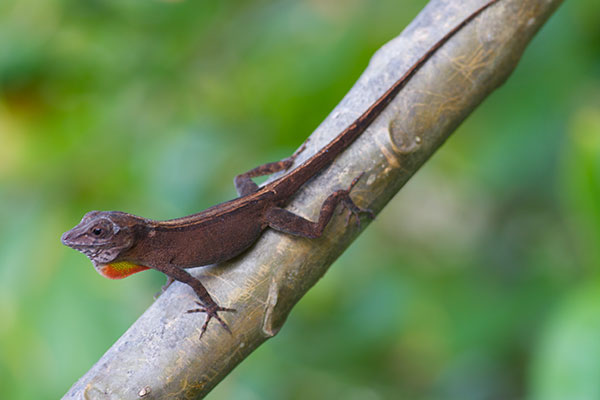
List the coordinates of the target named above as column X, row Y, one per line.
column 120, row 270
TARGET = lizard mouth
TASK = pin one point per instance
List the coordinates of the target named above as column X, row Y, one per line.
column 90, row 250
column 65, row 239
column 68, row 240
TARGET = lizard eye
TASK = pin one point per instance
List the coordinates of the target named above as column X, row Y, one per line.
column 97, row 231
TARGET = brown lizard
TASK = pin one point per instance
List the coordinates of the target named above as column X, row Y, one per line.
column 120, row 244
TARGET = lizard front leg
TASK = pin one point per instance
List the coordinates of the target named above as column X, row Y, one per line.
column 208, row 305
column 285, row 221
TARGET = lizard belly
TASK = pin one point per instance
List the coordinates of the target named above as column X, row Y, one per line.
column 195, row 248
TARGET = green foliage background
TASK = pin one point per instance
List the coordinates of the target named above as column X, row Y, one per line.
column 480, row 280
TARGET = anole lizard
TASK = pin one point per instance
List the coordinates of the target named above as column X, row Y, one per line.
column 121, row 244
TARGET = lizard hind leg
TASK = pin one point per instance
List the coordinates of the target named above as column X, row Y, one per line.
column 285, row 221
column 244, row 184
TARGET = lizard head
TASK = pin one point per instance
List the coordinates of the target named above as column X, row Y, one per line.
column 102, row 236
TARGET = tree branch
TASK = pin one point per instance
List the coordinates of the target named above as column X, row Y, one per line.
column 160, row 355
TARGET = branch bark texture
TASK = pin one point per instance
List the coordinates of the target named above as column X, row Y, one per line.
column 160, row 356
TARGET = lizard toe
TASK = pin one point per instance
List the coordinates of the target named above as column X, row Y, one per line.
column 211, row 312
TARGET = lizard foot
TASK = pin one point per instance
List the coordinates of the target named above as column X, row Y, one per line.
column 211, row 312
column 353, row 209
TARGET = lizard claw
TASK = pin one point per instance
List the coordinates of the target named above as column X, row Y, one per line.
column 353, row 209
column 211, row 312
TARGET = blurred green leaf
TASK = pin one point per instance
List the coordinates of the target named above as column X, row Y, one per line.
column 581, row 182
column 566, row 362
